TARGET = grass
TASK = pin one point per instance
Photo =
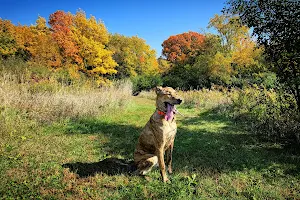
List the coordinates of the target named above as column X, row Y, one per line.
column 214, row 158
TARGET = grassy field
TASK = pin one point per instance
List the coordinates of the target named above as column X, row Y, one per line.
column 214, row 158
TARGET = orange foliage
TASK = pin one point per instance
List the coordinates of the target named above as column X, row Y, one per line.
column 182, row 47
column 61, row 24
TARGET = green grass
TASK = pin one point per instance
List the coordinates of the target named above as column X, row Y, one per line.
column 214, row 158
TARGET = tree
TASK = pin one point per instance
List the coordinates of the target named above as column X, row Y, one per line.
column 225, row 58
column 164, row 65
column 82, row 43
column 133, row 56
column 44, row 49
column 238, row 55
column 61, row 25
column 276, row 25
column 196, row 74
column 91, row 38
column 183, row 47
column 8, row 44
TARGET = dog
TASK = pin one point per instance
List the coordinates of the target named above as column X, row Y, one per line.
column 157, row 137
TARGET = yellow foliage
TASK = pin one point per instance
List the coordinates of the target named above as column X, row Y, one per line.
column 91, row 37
column 8, row 45
column 103, row 82
column 73, row 70
column 246, row 54
column 221, row 67
column 238, row 47
column 133, row 55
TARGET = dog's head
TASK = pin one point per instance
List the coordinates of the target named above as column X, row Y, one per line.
column 166, row 98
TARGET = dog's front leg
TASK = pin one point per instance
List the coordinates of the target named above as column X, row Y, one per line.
column 169, row 152
column 161, row 163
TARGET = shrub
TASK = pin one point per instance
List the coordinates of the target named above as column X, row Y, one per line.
column 271, row 113
column 145, row 82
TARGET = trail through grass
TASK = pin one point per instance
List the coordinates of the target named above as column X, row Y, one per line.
column 214, row 158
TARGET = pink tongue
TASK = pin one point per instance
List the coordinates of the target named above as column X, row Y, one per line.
column 170, row 112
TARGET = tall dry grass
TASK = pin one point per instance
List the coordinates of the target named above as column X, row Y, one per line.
column 25, row 103
column 205, row 98
column 59, row 102
column 202, row 99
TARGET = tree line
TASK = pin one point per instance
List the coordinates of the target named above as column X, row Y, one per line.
column 78, row 45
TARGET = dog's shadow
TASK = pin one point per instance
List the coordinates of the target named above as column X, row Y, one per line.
column 109, row 166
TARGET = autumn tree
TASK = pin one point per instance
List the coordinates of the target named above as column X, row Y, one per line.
column 61, row 25
column 197, row 74
column 133, row 56
column 44, row 49
column 164, row 65
column 92, row 37
column 83, row 42
column 182, row 47
column 8, row 44
column 238, row 54
column 225, row 58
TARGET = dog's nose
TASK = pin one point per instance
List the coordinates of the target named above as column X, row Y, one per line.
column 179, row 101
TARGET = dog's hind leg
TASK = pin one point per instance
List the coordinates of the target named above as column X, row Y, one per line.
column 146, row 164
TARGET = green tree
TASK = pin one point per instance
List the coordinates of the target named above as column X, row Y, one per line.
column 276, row 25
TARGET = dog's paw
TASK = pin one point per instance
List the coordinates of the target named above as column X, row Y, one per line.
column 166, row 180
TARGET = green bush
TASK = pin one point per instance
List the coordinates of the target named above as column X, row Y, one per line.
column 145, row 82
column 265, row 79
column 174, row 81
column 271, row 113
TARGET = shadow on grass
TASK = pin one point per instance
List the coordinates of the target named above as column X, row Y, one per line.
column 121, row 141
column 214, row 142
column 109, row 166
column 208, row 143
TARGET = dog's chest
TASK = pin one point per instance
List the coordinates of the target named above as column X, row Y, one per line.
column 169, row 131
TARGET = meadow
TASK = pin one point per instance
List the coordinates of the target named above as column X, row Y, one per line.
column 58, row 143
column 74, row 98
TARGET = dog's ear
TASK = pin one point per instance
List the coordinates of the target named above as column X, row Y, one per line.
column 160, row 90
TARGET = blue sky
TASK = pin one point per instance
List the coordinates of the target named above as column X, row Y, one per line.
column 152, row 20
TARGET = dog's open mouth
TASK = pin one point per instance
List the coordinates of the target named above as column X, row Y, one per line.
column 171, row 110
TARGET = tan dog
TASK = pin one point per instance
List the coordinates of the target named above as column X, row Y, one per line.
column 158, row 135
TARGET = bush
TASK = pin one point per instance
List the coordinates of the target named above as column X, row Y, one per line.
column 271, row 113
column 145, row 82
column 174, row 81
column 265, row 79
column 15, row 66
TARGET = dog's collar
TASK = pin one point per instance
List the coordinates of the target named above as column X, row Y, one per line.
column 161, row 112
